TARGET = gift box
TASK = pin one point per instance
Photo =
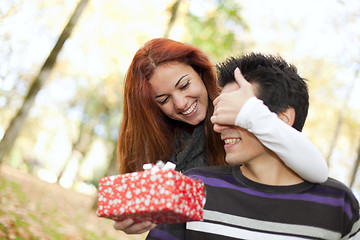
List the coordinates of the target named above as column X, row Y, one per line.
column 161, row 196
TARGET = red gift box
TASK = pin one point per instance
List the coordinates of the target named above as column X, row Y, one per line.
column 162, row 197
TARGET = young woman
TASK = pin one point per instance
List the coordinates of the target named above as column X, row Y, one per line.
column 168, row 101
column 168, row 93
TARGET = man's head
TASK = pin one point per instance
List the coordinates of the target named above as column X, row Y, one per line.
column 241, row 146
column 276, row 83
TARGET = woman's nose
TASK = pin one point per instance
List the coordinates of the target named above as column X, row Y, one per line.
column 179, row 101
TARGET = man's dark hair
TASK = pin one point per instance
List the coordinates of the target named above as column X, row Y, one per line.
column 277, row 82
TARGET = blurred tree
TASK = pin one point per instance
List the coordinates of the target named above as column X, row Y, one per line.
column 100, row 119
column 111, row 168
column 17, row 122
column 216, row 31
column 11, row 10
column 105, row 121
column 173, row 12
column 84, row 139
column 326, row 104
column 341, row 115
column 322, row 83
column 355, row 167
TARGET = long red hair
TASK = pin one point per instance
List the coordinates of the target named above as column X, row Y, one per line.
column 146, row 134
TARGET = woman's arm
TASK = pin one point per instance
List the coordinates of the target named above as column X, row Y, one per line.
column 293, row 148
column 248, row 112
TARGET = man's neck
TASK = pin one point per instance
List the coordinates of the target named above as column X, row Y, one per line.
column 270, row 171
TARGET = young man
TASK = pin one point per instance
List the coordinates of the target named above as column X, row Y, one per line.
column 258, row 197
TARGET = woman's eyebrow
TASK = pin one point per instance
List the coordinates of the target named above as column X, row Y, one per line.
column 177, row 83
column 180, row 80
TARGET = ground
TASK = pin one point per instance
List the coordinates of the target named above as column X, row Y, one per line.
column 34, row 209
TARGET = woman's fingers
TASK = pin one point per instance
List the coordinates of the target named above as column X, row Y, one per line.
column 129, row 227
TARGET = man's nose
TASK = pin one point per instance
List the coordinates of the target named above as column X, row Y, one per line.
column 218, row 128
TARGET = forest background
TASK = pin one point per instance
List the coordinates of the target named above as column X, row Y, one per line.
column 63, row 63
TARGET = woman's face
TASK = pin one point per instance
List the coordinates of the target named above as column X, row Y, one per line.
column 180, row 92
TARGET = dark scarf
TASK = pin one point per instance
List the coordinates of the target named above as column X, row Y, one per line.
column 192, row 150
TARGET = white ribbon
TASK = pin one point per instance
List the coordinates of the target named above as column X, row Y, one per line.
column 159, row 165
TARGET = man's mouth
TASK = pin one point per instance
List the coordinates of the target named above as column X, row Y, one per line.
column 229, row 141
column 191, row 108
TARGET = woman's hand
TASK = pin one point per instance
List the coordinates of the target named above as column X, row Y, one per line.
column 229, row 103
column 129, row 227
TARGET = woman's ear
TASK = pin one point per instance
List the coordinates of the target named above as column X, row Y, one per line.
column 288, row 116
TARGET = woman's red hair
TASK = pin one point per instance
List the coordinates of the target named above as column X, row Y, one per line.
column 146, row 134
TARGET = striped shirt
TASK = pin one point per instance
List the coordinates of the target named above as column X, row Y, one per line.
column 238, row 208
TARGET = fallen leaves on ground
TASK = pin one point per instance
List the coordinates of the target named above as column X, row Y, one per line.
column 33, row 209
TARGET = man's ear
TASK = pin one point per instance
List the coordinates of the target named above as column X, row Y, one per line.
column 288, row 116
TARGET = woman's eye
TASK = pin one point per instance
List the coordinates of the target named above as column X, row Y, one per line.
column 164, row 101
column 185, row 85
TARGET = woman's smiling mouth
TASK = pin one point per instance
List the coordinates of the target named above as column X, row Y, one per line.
column 191, row 108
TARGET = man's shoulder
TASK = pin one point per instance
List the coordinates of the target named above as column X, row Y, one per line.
column 337, row 189
column 332, row 183
column 213, row 175
column 210, row 170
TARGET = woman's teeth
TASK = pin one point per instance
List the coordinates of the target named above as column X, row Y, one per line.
column 232, row 140
column 191, row 109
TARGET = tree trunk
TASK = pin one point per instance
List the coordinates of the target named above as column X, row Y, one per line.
column 355, row 168
column 11, row 10
column 111, row 170
column 18, row 121
column 341, row 118
column 173, row 10
column 82, row 141
column 84, row 152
